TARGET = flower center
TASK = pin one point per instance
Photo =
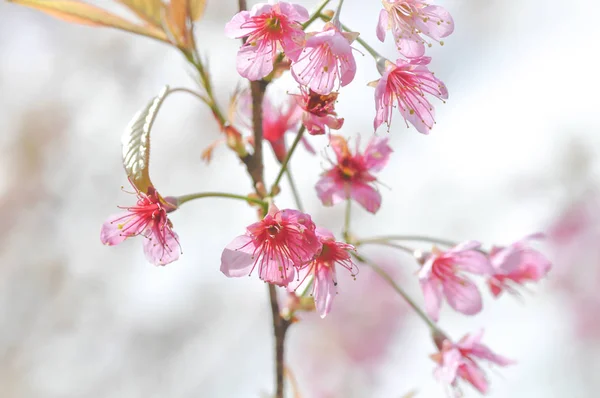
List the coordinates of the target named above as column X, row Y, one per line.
column 273, row 230
column 273, row 25
column 348, row 169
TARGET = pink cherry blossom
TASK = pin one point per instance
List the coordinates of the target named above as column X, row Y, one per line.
column 326, row 60
column 441, row 276
column 279, row 118
column 408, row 19
column 266, row 28
column 459, row 361
column 516, row 264
column 351, row 176
column 319, row 111
column 407, row 83
column 323, row 269
column 149, row 219
column 278, row 244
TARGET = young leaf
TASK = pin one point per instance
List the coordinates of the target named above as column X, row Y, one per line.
column 136, row 142
column 177, row 17
column 148, row 10
column 86, row 14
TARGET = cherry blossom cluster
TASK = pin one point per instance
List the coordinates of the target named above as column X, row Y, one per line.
column 285, row 247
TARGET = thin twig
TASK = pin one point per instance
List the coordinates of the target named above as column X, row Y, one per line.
column 295, row 191
column 288, row 156
column 408, row 238
column 280, row 326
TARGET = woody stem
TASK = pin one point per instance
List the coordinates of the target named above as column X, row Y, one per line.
column 255, row 166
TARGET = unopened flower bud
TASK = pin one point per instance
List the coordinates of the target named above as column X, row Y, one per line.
column 260, row 189
column 328, row 13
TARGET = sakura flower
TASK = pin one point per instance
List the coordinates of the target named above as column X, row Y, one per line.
column 407, row 83
column 441, row 276
column 323, row 270
column 459, row 361
column 408, row 19
column 517, row 263
column 319, row 113
column 326, row 60
column 267, row 27
column 278, row 244
column 351, row 176
column 149, row 219
column 279, row 118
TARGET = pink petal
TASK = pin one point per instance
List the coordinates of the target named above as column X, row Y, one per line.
column 237, row 257
column 472, row 373
column 279, row 271
column 377, row 153
column 260, row 8
column 254, row 64
column 432, row 293
column 159, row 254
column 330, row 190
column 381, row 106
column 446, row 372
column 473, row 261
column 382, row 25
column 295, row 12
column 431, row 28
column 411, row 47
column 233, row 28
column 466, row 245
column 118, row 227
column 366, row 196
column 462, row 295
column 324, row 290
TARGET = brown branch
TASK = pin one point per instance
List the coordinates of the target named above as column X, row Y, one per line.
column 255, row 167
column 280, row 326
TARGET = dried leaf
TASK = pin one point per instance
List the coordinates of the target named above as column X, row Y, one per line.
column 197, row 9
column 86, row 14
column 136, row 143
column 148, row 10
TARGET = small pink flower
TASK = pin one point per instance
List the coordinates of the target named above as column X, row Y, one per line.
column 459, row 361
column 266, row 28
column 278, row 244
column 408, row 19
column 517, row 263
column 440, row 276
column 149, row 219
column 351, row 177
column 319, row 111
column 326, row 60
column 323, row 270
column 278, row 119
column 407, row 83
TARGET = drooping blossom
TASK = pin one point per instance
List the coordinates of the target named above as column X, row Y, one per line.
column 408, row 20
column 460, row 361
column 323, row 269
column 319, row 111
column 279, row 118
column 441, row 276
column 351, row 176
column 267, row 29
column 406, row 84
column 516, row 264
column 147, row 218
column 326, row 60
column 278, row 244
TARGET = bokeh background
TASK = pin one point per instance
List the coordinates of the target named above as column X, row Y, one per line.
column 515, row 151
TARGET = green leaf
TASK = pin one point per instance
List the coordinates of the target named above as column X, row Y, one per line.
column 136, row 142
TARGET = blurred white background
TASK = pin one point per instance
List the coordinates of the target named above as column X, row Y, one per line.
column 516, row 144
